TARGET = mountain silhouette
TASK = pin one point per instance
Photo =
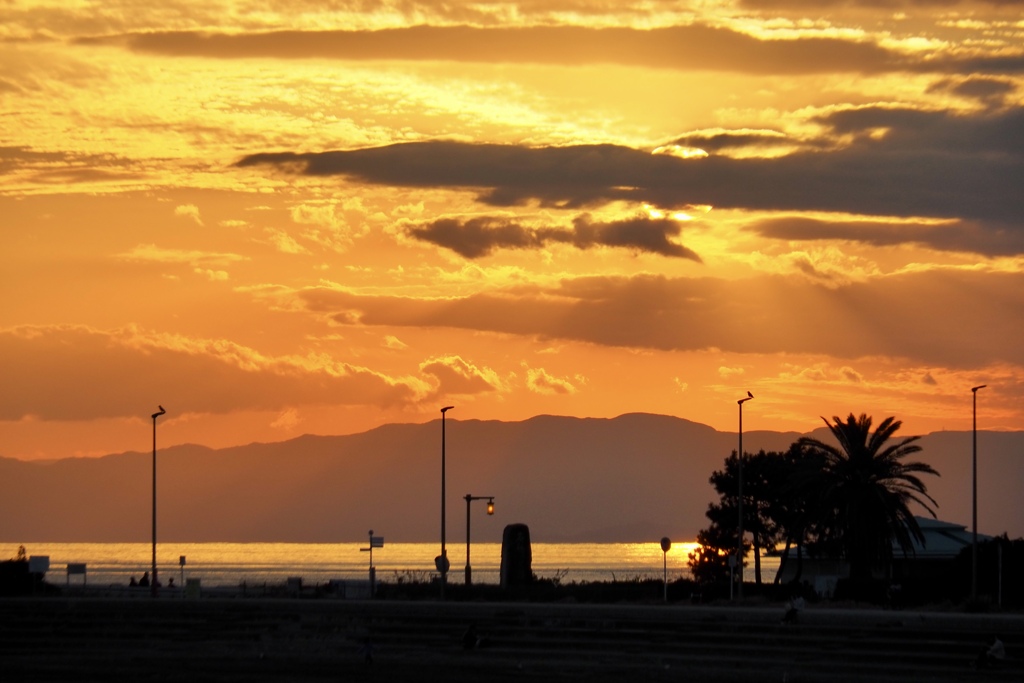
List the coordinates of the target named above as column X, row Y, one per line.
column 636, row 477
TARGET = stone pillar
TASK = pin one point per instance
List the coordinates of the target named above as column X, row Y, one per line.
column 516, row 556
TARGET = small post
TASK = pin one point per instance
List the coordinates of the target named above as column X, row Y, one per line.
column 999, row 562
column 732, row 574
column 666, row 544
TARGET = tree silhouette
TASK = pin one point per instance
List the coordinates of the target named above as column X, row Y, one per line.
column 709, row 561
column 795, row 506
column 866, row 490
column 763, row 479
column 766, row 478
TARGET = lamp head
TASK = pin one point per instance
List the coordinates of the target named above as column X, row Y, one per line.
column 162, row 411
column 490, row 506
column 975, row 389
column 446, row 409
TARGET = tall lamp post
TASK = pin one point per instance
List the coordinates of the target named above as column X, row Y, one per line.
column 490, row 511
column 441, row 561
column 739, row 534
column 974, row 492
column 152, row 580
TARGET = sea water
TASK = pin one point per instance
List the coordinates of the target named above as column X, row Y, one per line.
column 232, row 564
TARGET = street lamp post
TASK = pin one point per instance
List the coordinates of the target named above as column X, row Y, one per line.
column 739, row 534
column 152, row 581
column 490, row 511
column 441, row 561
column 974, row 492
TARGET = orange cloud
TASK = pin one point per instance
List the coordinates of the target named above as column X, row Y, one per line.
column 455, row 376
column 78, row 373
column 538, row 380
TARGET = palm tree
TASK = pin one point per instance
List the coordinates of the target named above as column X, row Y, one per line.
column 866, row 491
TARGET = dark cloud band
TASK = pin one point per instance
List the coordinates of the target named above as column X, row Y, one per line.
column 869, row 161
column 477, row 237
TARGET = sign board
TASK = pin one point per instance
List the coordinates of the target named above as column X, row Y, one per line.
column 76, row 568
column 376, row 541
column 39, row 564
column 181, row 560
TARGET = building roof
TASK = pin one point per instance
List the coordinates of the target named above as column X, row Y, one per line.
column 942, row 540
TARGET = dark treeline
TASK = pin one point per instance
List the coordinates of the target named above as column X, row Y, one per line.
column 849, row 502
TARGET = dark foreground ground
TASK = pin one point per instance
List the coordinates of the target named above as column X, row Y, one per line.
column 223, row 639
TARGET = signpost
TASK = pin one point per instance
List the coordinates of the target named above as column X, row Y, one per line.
column 375, row 542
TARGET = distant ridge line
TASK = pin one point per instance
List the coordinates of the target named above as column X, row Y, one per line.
column 637, row 476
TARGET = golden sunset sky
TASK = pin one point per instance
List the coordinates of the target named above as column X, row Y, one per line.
column 283, row 217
